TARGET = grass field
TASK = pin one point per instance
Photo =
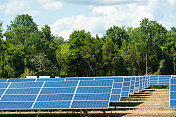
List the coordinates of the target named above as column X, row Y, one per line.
column 149, row 102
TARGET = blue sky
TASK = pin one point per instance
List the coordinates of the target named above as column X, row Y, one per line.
column 95, row 16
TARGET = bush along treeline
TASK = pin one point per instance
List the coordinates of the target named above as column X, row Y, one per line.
column 27, row 50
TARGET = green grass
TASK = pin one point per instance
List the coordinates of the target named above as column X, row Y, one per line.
column 159, row 87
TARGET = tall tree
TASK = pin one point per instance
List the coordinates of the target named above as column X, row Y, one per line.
column 110, row 57
column 153, row 36
column 117, row 35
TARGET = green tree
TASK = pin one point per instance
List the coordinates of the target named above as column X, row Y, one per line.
column 117, row 35
column 153, row 37
column 110, row 57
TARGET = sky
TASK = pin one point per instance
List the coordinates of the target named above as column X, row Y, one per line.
column 94, row 16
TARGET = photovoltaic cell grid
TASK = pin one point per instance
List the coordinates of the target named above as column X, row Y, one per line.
column 93, row 94
column 160, row 80
column 132, row 84
column 126, row 87
column 173, row 91
column 117, row 87
column 136, row 87
column 55, row 95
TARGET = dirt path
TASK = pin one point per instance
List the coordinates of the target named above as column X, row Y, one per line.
column 149, row 103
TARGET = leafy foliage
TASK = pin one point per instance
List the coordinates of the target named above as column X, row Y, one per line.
column 27, row 50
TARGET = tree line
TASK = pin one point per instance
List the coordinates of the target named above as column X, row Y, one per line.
column 27, row 50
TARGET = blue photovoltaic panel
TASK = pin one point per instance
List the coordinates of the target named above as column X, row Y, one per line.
column 92, row 94
column 3, row 85
column 18, row 98
column 58, row 90
column 94, row 89
column 55, row 97
column 26, row 84
column 116, row 79
column 115, row 98
column 160, row 80
column 117, row 82
column 52, row 105
column 2, row 91
column 92, row 97
column 164, row 79
column 125, row 94
column 154, row 80
column 140, row 83
column 61, row 84
column 116, row 91
column 3, row 80
column 173, row 91
column 21, row 80
column 126, row 87
column 15, row 105
column 23, row 91
column 96, row 83
column 51, row 79
column 147, row 82
column 117, row 87
column 132, row 85
column 143, row 82
column 80, row 78
column 136, row 87
column 90, row 104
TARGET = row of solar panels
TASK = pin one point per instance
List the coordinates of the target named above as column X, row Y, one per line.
column 173, row 91
column 154, row 80
column 69, row 93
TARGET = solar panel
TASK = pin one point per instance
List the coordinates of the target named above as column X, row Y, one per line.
column 52, row 105
column 118, row 81
column 140, row 83
column 79, row 78
column 93, row 94
column 15, row 105
column 3, row 85
column 3, row 80
column 56, row 95
column 164, row 79
column 90, row 104
column 26, row 85
column 50, row 79
column 154, row 80
column 117, row 87
column 132, row 85
column 136, row 87
column 21, row 80
column 126, row 87
column 173, row 91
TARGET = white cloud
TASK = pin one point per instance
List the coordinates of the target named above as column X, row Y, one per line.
column 102, row 18
column 102, row 2
column 33, row 13
column 64, row 27
column 15, row 6
column 51, row 4
column 1, row 7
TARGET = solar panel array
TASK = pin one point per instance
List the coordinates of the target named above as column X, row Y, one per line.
column 75, row 92
column 160, row 80
column 55, row 95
